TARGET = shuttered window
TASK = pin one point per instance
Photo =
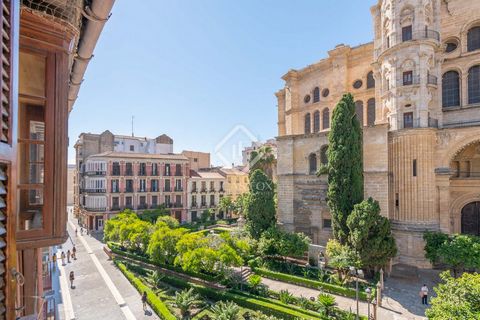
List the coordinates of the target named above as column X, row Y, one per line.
column 6, row 71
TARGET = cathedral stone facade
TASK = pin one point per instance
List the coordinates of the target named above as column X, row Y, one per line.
column 417, row 93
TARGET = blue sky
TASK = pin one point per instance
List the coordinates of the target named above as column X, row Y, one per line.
column 196, row 69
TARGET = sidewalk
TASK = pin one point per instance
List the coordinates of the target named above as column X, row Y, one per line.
column 100, row 289
column 387, row 312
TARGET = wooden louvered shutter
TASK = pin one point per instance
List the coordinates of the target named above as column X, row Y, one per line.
column 9, row 49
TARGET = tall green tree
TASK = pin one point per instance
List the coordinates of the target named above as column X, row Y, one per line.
column 263, row 159
column 226, row 204
column 345, row 165
column 370, row 235
column 260, row 208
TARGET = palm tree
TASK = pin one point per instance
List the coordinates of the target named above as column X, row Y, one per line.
column 225, row 311
column 263, row 159
column 185, row 300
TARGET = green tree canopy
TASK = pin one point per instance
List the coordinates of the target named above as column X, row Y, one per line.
column 370, row 234
column 263, row 159
column 162, row 246
column 457, row 298
column 260, row 209
column 278, row 242
column 345, row 165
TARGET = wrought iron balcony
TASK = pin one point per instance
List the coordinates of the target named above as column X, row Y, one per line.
column 93, row 190
column 178, row 189
column 90, row 209
column 142, row 206
column 95, row 173
column 115, row 208
column 178, row 205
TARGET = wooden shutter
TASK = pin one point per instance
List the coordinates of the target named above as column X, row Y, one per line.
column 6, row 71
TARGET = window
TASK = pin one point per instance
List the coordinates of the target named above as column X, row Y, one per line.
column 371, row 112
column 396, row 200
column 178, row 169
column 473, row 39
column 154, row 169
column 128, row 169
column 167, row 186
column 143, row 202
column 325, row 92
column 312, row 163
column 316, row 94
column 204, row 186
column 407, row 78
column 414, row 167
column 388, row 42
column 195, row 159
column 142, row 185
column 212, row 200
column 128, row 202
column 142, row 170
column 327, row 223
column 357, row 84
column 194, row 216
column 212, row 186
column 316, row 121
column 178, row 185
column 408, row 120
column 154, row 201
column 474, row 85
column 451, row 46
column 194, row 186
column 167, row 201
column 407, row 33
column 450, row 89
column 115, row 169
column 203, row 200
column 115, row 203
column 370, row 80
column 167, row 169
column 115, row 185
column 306, row 99
column 221, row 186
column 359, row 111
column 132, row 148
column 324, row 155
column 194, row 201
column 325, row 118
column 307, row 124
column 154, row 185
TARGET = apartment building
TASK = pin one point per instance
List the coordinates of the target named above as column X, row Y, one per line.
column 111, row 181
column 205, row 189
column 236, row 181
column 198, row 160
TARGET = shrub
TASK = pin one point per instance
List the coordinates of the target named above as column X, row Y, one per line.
column 323, row 169
column 153, row 300
column 327, row 302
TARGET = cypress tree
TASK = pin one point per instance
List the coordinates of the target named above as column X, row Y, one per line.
column 345, row 165
column 260, row 207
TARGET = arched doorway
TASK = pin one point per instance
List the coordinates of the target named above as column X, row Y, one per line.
column 471, row 218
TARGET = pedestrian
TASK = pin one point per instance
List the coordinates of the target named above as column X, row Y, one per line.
column 76, row 232
column 81, row 230
column 54, row 260
column 74, row 253
column 68, row 255
column 144, row 300
column 424, row 294
column 63, row 258
column 72, row 277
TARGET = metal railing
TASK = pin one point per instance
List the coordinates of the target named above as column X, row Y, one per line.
column 178, row 189
column 415, row 79
column 95, row 173
column 93, row 190
column 416, row 123
column 431, row 79
column 178, row 205
column 103, row 209
column 426, row 34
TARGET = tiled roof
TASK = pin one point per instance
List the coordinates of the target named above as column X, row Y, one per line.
column 132, row 155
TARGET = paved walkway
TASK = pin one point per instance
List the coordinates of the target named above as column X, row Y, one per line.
column 100, row 290
column 400, row 301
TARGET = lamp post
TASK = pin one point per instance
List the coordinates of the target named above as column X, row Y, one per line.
column 368, row 291
column 356, row 273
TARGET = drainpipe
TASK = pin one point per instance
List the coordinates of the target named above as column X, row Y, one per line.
column 96, row 15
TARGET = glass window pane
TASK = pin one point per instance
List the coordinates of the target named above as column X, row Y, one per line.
column 30, row 209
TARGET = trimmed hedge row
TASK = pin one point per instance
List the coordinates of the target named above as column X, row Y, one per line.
column 265, row 305
column 153, row 300
column 327, row 287
column 116, row 249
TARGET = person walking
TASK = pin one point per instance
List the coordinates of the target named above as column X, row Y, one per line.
column 54, row 260
column 76, row 232
column 144, row 300
column 68, row 255
column 72, row 277
column 424, row 294
column 62, row 256
column 74, row 253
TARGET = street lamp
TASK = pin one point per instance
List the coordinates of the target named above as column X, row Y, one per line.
column 356, row 273
column 368, row 292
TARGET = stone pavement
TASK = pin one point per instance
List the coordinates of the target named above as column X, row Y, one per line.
column 400, row 300
column 100, row 289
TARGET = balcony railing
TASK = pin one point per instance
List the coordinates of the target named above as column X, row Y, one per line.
column 221, row 190
column 203, row 190
column 115, row 208
column 431, row 79
column 128, row 190
column 142, row 206
column 212, row 205
column 129, row 206
column 411, row 81
column 212, row 189
column 194, row 190
column 167, row 189
column 417, row 35
column 91, row 209
column 203, row 205
column 167, row 173
column 178, row 205
column 95, row 173
column 142, row 173
column 154, row 190
column 178, row 189
column 115, row 172
column 194, row 205
column 93, row 190
column 168, row 205
column 154, row 206
column 142, row 190
column 416, row 123
column 115, row 190
column 178, row 173
column 129, row 172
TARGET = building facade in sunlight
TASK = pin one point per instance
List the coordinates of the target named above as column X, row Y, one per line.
column 205, row 189
column 417, row 93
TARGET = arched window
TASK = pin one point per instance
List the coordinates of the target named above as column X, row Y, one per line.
column 312, row 163
column 316, row 121
column 325, row 119
column 316, row 94
column 450, row 89
column 371, row 112
column 370, row 80
column 323, row 155
column 473, row 39
column 307, row 124
column 474, row 85
column 359, row 111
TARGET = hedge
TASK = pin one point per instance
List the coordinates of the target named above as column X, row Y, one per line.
column 153, row 300
column 327, row 287
column 115, row 249
column 246, row 300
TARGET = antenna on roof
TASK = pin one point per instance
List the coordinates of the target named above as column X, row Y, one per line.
column 132, row 125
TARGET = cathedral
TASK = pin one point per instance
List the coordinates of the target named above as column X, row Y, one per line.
column 417, row 93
